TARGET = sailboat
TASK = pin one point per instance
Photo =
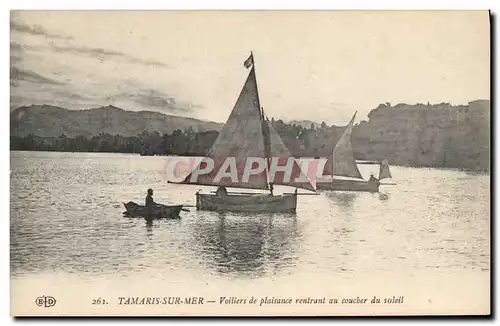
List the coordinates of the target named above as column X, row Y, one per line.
column 248, row 153
column 342, row 163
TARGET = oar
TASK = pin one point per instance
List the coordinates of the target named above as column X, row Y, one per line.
column 388, row 184
column 185, row 210
column 301, row 194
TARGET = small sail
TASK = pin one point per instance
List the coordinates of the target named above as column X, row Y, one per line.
column 281, row 156
column 240, row 137
column 384, row 172
column 342, row 162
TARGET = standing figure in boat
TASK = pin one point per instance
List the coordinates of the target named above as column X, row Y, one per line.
column 249, row 154
column 149, row 198
column 343, row 164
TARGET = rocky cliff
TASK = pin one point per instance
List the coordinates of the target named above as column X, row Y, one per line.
column 439, row 135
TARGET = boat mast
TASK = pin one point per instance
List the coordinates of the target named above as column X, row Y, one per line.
column 267, row 145
column 265, row 135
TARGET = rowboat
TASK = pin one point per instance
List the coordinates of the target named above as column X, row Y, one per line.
column 155, row 212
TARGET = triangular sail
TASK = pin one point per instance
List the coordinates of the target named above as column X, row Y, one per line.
column 384, row 172
column 278, row 150
column 240, row 137
column 342, row 162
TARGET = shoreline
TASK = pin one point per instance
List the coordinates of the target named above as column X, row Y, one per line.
column 360, row 162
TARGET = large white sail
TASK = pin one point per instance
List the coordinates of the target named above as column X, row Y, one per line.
column 246, row 134
column 240, row 137
column 342, row 162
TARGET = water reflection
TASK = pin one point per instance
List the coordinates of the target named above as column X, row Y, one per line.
column 345, row 235
column 383, row 196
column 149, row 229
column 345, row 200
column 246, row 245
column 161, row 226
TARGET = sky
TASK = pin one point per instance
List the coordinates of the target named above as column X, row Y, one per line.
column 310, row 65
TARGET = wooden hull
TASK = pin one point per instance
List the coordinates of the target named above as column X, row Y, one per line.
column 248, row 203
column 348, row 185
column 157, row 212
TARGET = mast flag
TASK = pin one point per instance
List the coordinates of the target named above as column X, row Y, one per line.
column 249, row 62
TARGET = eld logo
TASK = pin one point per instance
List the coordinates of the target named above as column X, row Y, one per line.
column 46, row 302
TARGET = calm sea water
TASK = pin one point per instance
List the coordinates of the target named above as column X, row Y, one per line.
column 66, row 217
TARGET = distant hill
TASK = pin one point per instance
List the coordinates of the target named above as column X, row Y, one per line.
column 432, row 135
column 53, row 121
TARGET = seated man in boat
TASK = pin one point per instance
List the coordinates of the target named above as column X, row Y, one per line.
column 221, row 191
column 149, row 198
column 372, row 178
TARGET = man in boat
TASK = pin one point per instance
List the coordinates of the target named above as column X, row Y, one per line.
column 221, row 191
column 149, row 199
column 372, row 178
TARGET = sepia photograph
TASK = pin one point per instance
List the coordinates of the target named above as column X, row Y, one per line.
column 250, row 163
